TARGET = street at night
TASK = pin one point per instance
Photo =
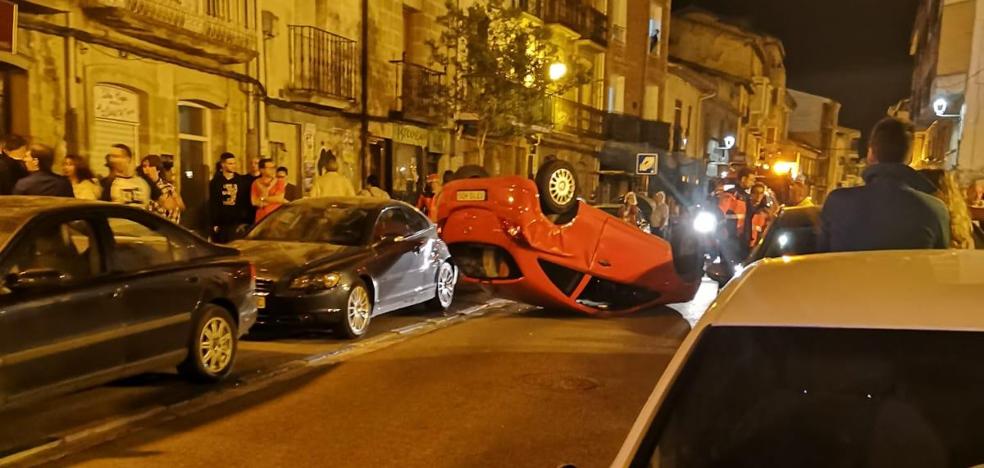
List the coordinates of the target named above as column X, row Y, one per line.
column 491, row 233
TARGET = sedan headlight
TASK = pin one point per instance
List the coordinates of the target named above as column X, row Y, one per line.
column 705, row 223
column 316, row 281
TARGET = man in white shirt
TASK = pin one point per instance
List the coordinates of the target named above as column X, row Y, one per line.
column 331, row 183
column 122, row 186
column 372, row 189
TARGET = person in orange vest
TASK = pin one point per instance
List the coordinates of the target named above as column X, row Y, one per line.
column 426, row 203
column 760, row 214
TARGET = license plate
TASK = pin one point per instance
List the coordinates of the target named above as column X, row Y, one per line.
column 261, row 302
column 471, row 195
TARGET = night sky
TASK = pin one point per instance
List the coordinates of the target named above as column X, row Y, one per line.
column 854, row 51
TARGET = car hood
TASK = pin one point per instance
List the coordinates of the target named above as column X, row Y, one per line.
column 276, row 259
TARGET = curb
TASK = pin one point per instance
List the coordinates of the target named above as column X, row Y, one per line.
column 88, row 437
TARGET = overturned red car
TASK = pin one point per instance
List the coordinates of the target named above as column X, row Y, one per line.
column 536, row 242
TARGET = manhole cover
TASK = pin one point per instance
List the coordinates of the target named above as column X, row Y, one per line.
column 561, row 382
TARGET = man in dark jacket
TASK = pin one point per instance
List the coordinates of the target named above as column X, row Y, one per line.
column 12, row 165
column 42, row 181
column 229, row 202
column 894, row 210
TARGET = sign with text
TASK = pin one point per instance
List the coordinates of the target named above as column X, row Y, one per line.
column 8, row 26
column 647, row 164
column 411, row 135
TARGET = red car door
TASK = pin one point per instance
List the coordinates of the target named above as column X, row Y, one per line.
column 625, row 254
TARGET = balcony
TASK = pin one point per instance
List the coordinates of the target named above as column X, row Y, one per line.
column 632, row 129
column 413, row 86
column 322, row 64
column 575, row 15
column 578, row 119
column 223, row 30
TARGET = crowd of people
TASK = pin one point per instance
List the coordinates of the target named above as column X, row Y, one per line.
column 236, row 201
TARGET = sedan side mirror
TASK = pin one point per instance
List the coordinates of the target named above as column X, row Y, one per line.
column 36, row 278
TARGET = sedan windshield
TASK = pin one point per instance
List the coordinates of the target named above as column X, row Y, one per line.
column 810, row 397
column 342, row 225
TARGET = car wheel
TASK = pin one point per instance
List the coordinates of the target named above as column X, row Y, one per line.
column 212, row 347
column 357, row 313
column 470, row 171
column 447, row 279
column 557, row 185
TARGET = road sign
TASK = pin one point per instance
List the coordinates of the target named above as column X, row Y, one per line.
column 8, row 26
column 647, row 163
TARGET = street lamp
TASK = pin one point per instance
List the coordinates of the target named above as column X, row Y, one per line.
column 940, row 106
column 729, row 142
column 557, row 71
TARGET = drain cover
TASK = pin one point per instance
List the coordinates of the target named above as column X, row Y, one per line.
column 561, row 382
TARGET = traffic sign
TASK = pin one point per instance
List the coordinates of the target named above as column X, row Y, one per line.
column 647, row 164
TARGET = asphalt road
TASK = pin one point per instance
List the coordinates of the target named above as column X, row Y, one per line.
column 22, row 428
column 535, row 388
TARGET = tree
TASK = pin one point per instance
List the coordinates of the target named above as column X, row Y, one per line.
column 497, row 62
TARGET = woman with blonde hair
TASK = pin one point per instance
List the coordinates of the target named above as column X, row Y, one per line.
column 948, row 190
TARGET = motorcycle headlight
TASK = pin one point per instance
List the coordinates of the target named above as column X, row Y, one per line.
column 705, row 223
column 316, row 281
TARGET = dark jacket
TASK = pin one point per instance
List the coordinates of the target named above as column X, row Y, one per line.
column 45, row 184
column 229, row 202
column 893, row 211
column 11, row 170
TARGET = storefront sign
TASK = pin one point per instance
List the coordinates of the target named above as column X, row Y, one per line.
column 438, row 142
column 8, row 26
column 411, row 135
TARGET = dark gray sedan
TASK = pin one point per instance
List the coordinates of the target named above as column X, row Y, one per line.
column 339, row 262
column 93, row 291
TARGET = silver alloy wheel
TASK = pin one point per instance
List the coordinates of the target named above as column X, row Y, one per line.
column 359, row 310
column 447, row 278
column 562, row 186
column 215, row 345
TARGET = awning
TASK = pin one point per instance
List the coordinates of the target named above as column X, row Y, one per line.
column 621, row 156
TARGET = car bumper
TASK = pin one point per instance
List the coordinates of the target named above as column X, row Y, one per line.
column 319, row 308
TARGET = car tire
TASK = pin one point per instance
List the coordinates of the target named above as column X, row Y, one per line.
column 470, row 171
column 357, row 313
column 557, row 184
column 447, row 279
column 212, row 347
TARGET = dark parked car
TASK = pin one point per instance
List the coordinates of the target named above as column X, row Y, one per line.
column 342, row 261
column 794, row 232
column 92, row 292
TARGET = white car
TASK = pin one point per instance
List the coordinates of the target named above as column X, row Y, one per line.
column 871, row 359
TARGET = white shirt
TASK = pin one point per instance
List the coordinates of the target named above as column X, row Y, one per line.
column 332, row 184
column 374, row 192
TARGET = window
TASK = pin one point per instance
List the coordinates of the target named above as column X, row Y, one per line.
column 770, row 137
column 138, row 246
column 616, row 94
column 655, row 28
column 758, row 396
column 416, row 222
column 69, row 248
column 392, row 223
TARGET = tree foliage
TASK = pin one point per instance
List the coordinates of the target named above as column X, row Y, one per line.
column 497, row 61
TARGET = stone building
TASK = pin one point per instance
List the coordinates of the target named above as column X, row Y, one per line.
column 750, row 103
column 832, row 149
column 177, row 78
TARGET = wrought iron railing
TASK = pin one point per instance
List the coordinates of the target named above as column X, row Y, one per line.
column 415, row 86
column 321, row 62
column 576, row 15
column 573, row 117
